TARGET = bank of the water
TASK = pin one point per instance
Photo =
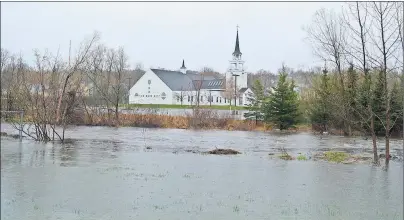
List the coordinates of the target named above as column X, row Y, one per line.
column 131, row 173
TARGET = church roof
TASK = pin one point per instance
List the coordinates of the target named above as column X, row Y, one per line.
column 178, row 81
column 237, row 47
column 242, row 90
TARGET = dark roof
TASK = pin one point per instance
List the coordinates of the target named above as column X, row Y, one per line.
column 178, row 81
column 242, row 90
column 237, row 47
column 215, row 84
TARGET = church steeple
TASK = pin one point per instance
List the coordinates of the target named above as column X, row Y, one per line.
column 236, row 67
column 237, row 51
column 183, row 69
column 183, row 64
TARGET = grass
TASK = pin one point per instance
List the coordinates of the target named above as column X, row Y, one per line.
column 167, row 121
column 335, row 156
column 301, row 157
column 218, row 107
column 285, row 157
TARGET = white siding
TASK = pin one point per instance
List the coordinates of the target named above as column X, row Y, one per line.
column 245, row 96
column 141, row 94
column 189, row 97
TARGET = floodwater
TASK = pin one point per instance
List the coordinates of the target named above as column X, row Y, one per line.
column 108, row 173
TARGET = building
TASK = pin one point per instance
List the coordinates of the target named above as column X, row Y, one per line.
column 185, row 87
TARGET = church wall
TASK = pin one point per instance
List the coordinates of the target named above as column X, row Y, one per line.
column 189, row 98
column 157, row 92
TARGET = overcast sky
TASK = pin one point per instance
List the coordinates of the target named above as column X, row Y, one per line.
column 162, row 34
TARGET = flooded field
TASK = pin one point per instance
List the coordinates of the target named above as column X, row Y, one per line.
column 135, row 173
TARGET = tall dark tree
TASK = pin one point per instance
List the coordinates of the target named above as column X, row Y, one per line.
column 351, row 96
column 320, row 110
column 282, row 107
column 379, row 104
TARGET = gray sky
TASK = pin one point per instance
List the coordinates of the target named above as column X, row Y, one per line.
column 162, row 34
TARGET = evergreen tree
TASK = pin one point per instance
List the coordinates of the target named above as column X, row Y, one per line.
column 351, row 97
column 396, row 108
column 365, row 97
column 320, row 110
column 256, row 99
column 378, row 104
column 281, row 108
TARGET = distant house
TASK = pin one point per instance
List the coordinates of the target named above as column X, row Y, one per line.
column 160, row 86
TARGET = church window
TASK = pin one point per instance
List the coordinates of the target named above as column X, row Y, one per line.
column 163, row 95
column 189, row 98
column 149, row 82
column 192, row 98
column 149, row 91
column 220, row 99
column 136, row 94
column 201, row 98
column 225, row 100
column 178, row 98
column 217, row 99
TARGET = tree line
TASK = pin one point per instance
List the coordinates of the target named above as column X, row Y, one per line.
column 360, row 88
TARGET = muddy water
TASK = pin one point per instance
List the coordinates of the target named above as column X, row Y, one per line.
column 107, row 173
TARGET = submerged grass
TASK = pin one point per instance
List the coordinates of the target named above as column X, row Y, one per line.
column 301, row 157
column 285, row 157
column 335, row 156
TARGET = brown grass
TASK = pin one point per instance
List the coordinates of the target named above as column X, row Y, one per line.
column 167, row 121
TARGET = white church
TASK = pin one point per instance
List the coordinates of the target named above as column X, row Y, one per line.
column 182, row 87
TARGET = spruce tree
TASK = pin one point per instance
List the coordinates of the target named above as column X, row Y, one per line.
column 281, row 108
column 396, row 108
column 378, row 104
column 320, row 110
column 351, row 97
column 256, row 99
column 365, row 97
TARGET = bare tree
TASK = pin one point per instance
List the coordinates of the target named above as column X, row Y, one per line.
column 328, row 38
column 197, row 86
column 384, row 39
column 207, row 71
column 230, row 90
column 357, row 22
column 180, row 96
column 120, row 68
column 400, row 23
column 79, row 60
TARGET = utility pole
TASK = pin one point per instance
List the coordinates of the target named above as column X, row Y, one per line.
column 129, row 78
column 235, row 90
column 210, row 97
